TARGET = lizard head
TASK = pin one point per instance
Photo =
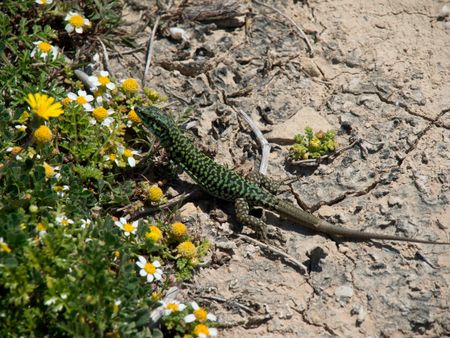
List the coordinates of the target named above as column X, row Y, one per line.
column 156, row 120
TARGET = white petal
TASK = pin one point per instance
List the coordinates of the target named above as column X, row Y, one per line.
column 142, row 259
column 87, row 107
column 140, row 264
column 211, row 317
column 110, row 86
column 189, row 318
column 212, row 331
column 181, row 307
column 143, row 273
column 149, row 278
column 82, row 93
column 69, row 28
column 157, row 276
column 104, row 73
column 156, row 264
column 131, row 161
column 79, row 30
column 89, row 98
column 123, row 220
column 202, row 335
column 195, row 306
column 127, row 234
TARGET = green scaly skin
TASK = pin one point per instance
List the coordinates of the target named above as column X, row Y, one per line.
column 224, row 183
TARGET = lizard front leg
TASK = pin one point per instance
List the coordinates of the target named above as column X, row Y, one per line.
column 243, row 215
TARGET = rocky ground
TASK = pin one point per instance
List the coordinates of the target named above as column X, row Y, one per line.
column 378, row 70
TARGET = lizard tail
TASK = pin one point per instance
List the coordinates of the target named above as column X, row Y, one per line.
column 307, row 220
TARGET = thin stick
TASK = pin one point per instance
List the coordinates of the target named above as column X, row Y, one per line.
column 149, row 54
column 265, row 146
column 131, row 51
column 106, row 57
column 271, row 248
column 299, row 30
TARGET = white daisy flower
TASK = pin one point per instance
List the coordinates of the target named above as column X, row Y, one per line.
column 43, row 49
column 203, row 331
column 44, row 2
column 127, row 227
column 173, row 306
column 63, row 220
column 76, row 22
column 149, row 270
column 82, row 99
column 111, row 157
column 128, row 154
column 102, row 80
column 199, row 314
column 21, row 127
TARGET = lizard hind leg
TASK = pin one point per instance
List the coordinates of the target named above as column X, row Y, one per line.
column 243, row 215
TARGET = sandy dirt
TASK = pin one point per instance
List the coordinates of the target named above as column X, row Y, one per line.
column 380, row 71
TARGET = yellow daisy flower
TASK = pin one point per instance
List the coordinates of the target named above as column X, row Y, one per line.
column 44, row 106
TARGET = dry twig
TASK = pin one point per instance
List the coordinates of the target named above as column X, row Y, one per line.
column 265, row 146
column 149, row 54
column 105, row 57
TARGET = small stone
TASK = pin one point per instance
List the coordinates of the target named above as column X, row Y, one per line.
column 394, row 201
column 284, row 133
column 326, row 211
column 188, row 210
column 344, row 291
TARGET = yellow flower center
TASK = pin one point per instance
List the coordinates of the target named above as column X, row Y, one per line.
column 127, row 153
column 117, row 253
column 134, row 117
column 201, row 329
column 128, row 227
column 44, row 47
column 130, row 85
column 81, row 100
column 200, row 314
column 112, row 157
column 178, row 229
column 104, row 80
column 100, row 113
column 43, row 135
column 187, row 249
column 76, row 21
column 149, row 268
column 172, row 307
column 64, row 221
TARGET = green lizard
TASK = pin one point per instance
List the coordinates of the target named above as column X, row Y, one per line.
column 226, row 184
